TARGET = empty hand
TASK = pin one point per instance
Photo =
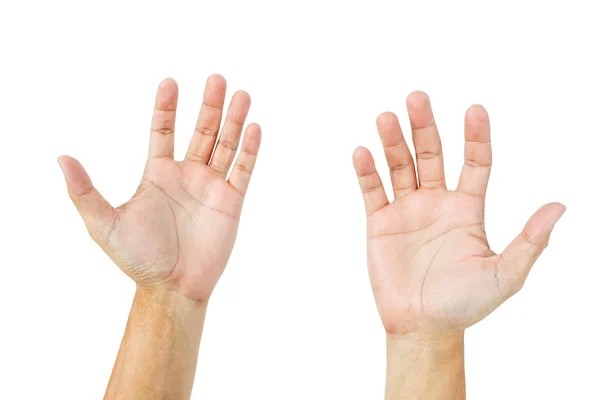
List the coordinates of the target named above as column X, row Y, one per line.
column 178, row 230
column 430, row 263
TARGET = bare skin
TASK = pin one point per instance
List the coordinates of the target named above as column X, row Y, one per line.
column 174, row 236
column 431, row 268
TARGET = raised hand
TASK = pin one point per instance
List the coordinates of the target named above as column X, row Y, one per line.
column 178, row 230
column 430, row 264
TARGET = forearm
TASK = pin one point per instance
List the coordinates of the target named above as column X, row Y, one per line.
column 158, row 354
column 427, row 367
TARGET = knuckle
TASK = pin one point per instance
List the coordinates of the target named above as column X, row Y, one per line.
column 195, row 157
column 426, row 155
column 164, row 130
column 243, row 168
column 205, row 131
column 228, row 144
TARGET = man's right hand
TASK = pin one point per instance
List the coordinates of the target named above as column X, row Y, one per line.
column 178, row 230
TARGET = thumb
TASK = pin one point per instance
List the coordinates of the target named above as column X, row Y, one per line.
column 99, row 216
column 523, row 251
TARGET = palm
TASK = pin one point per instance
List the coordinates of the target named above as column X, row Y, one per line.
column 179, row 228
column 190, row 214
column 430, row 264
column 418, row 245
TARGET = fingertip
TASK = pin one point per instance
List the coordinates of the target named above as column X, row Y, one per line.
column 386, row 117
column 239, row 107
column 216, row 80
column 477, row 113
column 539, row 227
column 387, row 120
column 477, row 129
column 388, row 127
column 166, row 96
column 558, row 206
column 420, row 113
column 360, row 152
column 168, row 83
column 254, row 126
column 363, row 161
column 62, row 160
column 67, row 163
column 476, row 109
column 254, row 133
column 214, row 91
column 556, row 209
column 75, row 175
column 417, row 100
column 243, row 97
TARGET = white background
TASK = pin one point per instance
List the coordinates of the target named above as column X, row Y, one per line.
column 293, row 316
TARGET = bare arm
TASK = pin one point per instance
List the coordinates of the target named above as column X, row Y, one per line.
column 431, row 267
column 173, row 237
column 425, row 367
column 159, row 351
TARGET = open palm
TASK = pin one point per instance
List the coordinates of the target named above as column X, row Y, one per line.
column 430, row 264
column 178, row 230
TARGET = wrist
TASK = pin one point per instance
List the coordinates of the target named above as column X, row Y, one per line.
column 425, row 349
column 433, row 342
column 159, row 350
column 168, row 302
column 425, row 365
